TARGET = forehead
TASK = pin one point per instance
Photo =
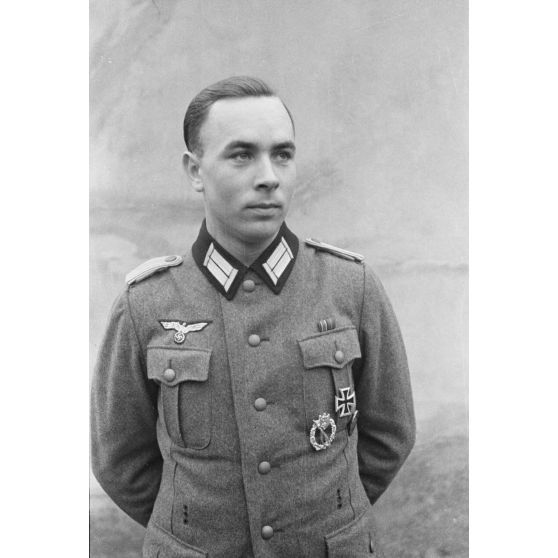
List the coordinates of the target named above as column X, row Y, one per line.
column 251, row 119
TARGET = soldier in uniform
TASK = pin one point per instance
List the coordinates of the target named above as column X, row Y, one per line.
column 251, row 398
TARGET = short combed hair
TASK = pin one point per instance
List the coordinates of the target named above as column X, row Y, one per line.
column 233, row 87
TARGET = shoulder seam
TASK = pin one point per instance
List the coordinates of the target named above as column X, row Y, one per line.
column 341, row 252
column 149, row 267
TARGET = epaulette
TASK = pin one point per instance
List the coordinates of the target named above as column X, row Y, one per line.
column 353, row 256
column 150, row 267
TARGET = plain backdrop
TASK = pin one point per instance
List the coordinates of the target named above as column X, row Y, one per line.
column 379, row 94
column 44, row 238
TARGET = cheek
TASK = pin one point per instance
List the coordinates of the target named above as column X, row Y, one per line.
column 219, row 197
column 223, row 189
column 289, row 183
column 289, row 173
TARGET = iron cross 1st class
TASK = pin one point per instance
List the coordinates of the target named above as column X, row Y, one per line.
column 345, row 402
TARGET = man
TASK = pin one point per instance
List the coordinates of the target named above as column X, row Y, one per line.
column 251, row 398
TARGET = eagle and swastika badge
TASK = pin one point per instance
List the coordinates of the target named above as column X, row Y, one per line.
column 182, row 328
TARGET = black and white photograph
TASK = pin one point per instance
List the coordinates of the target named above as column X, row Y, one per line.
column 279, row 278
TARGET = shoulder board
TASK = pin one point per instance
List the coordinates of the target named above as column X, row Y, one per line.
column 353, row 256
column 150, row 267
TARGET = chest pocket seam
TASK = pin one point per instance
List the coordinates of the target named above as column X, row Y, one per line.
column 185, row 393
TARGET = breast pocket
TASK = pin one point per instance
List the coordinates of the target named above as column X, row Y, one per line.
column 328, row 380
column 183, row 375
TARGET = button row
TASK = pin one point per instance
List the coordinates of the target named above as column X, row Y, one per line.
column 264, row 467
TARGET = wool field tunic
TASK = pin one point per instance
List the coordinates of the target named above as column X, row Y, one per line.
column 204, row 436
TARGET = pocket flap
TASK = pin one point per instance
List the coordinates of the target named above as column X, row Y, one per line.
column 173, row 366
column 333, row 349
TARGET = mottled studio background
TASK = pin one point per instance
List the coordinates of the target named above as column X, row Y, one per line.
column 378, row 90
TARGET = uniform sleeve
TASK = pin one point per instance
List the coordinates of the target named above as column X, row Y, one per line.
column 386, row 421
column 124, row 452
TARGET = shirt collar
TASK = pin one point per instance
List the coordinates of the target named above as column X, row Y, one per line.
column 225, row 272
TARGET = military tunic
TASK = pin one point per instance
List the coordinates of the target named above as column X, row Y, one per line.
column 204, row 436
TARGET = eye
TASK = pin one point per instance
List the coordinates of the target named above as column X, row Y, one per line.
column 240, row 156
column 284, row 155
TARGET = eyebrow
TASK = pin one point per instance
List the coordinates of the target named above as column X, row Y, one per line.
column 285, row 145
column 239, row 144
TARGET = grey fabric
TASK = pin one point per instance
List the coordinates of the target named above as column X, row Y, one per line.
column 181, row 456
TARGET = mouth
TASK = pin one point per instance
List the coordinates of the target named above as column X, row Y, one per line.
column 265, row 210
column 265, row 205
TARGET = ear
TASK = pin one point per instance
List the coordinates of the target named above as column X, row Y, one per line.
column 191, row 166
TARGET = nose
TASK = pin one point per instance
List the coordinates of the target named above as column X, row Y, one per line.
column 266, row 177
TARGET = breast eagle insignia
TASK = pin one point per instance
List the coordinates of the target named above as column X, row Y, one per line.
column 182, row 328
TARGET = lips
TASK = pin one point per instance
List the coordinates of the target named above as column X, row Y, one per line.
column 264, row 205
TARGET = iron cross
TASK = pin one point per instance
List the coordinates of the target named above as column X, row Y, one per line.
column 345, row 402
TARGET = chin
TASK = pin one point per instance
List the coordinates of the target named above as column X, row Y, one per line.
column 262, row 230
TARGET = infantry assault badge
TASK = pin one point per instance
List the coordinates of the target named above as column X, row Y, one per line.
column 182, row 328
column 319, row 437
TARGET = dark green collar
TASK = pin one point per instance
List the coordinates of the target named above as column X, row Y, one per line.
column 226, row 273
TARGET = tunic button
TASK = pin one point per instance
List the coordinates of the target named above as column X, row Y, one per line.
column 260, row 404
column 170, row 258
column 169, row 374
column 267, row 532
column 254, row 340
column 339, row 356
column 248, row 285
column 264, row 467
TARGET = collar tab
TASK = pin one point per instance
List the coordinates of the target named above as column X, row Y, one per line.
column 225, row 272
